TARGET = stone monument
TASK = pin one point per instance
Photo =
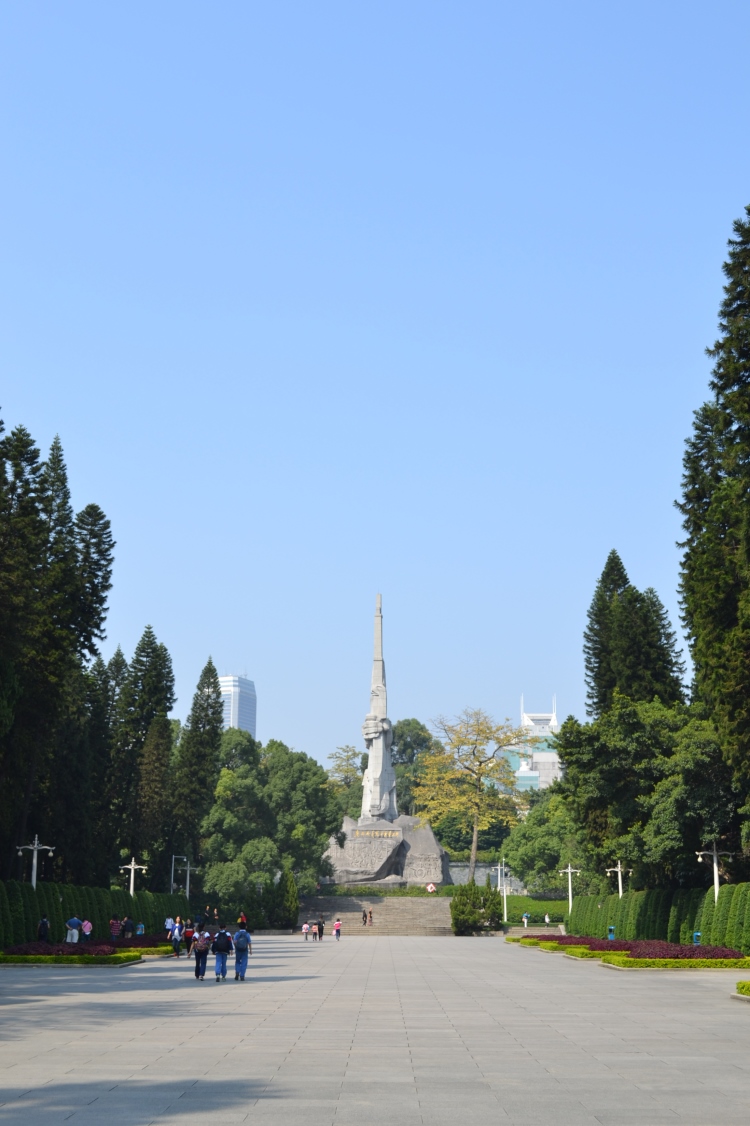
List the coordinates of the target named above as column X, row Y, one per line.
column 383, row 847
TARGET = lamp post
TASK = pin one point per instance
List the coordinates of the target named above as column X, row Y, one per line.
column 175, row 856
column 571, row 872
column 186, row 869
column 619, row 869
column 34, row 849
column 714, row 854
column 505, row 890
column 131, row 867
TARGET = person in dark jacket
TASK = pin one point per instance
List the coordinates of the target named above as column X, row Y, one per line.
column 222, row 946
column 42, row 930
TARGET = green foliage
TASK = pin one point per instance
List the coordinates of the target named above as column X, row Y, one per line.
column 197, row 766
column 743, row 987
column 13, row 888
column 288, row 900
column 266, row 818
column 118, row 959
column 707, row 916
column 545, row 842
column 647, row 784
column 629, row 646
column 6, row 919
column 345, row 772
column 31, row 912
column 411, row 741
column 675, row 963
column 721, row 915
column 715, row 579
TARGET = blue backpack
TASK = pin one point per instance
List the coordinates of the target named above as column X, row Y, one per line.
column 242, row 941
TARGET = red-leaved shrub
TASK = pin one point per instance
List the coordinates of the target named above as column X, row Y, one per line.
column 648, row 948
column 61, row 948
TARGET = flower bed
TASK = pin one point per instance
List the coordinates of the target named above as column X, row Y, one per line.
column 651, row 954
column 676, row 963
column 63, row 949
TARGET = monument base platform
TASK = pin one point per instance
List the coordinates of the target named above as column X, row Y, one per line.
column 403, row 852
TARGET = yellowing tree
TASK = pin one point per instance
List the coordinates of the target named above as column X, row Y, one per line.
column 469, row 777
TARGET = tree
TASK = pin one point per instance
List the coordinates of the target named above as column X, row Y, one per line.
column 155, row 798
column 197, row 767
column 646, row 784
column 715, row 570
column 147, row 691
column 545, row 842
column 469, row 776
column 411, row 741
column 629, row 645
column 345, row 774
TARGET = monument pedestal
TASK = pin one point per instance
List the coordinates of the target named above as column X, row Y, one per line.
column 400, row 852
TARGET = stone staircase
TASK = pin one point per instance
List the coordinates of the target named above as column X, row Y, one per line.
column 396, row 915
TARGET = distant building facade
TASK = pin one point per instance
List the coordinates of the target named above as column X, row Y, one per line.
column 538, row 765
column 240, row 703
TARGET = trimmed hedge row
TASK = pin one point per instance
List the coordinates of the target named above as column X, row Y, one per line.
column 69, row 959
column 21, row 908
column 669, row 915
column 744, row 988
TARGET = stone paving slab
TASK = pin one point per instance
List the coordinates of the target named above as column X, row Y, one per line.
column 412, row 1031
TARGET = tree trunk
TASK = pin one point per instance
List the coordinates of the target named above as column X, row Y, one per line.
column 474, row 845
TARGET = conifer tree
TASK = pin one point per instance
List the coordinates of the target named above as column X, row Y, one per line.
column 154, row 797
column 629, row 644
column 197, row 766
column 715, row 579
column 597, row 640
column 147, row 692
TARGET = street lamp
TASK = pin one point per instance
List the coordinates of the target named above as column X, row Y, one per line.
column 571, row 872
column 187, row 869
column 714, row 854
column 505, row 890
column 619, row 869
column 131, row 867
column 171, row 882
column 36, row 848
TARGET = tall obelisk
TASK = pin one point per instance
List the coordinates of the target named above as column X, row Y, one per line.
column 379, row 782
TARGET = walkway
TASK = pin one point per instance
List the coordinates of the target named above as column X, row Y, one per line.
column 374, row 1032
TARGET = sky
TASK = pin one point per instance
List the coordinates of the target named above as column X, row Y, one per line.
column 326, row 301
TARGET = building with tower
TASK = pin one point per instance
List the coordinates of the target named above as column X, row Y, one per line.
column 537, row 766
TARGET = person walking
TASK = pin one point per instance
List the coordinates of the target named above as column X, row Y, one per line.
column 201, row 947
column 525, row 918
column 114, row 927
column 321, row 928
column 189, row 933
column 86, row 928
column 547, row 920
column 169, row 925
column 306, row 929
column 128, row 927
column 315, row 932
column 221, row 947
column 337, row 929
column 364, row 917
column 176, row 936
column 242, row 948
column 369, row 917
column 42, row 930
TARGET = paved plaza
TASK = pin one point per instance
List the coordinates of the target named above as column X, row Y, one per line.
column 394, row 1030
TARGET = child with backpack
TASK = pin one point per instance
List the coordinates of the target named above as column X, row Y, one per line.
column 201, row 946
column 221, row 947
column 242, row 947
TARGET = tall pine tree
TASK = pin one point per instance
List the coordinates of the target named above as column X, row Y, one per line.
column 629, row 644
column 147, row 692
column 155, row 801
column 601, row 679
column 197, row 765
column 715, row 505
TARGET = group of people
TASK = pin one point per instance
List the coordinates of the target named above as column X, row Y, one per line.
column 317, row 930
column 79, row 930
column 200, row 941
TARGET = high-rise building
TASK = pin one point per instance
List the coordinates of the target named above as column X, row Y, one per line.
column 538, row 765
column 240, row 703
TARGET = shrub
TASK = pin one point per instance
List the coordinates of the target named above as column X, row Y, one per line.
column 74, row 960
column 743, row 987
column 676, row 963
column 721, row 915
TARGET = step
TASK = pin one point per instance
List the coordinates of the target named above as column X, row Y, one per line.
column 393, row 915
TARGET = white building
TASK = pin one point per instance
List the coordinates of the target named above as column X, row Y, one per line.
column 537, row 766
column 240, row 703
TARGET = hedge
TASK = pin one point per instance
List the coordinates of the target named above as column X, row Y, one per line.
column 743, row 987
column 70, row 959
column 672, row 916
column 675, row 963
column 22, row 906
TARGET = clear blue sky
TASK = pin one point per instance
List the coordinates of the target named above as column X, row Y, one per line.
column 326, row 300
